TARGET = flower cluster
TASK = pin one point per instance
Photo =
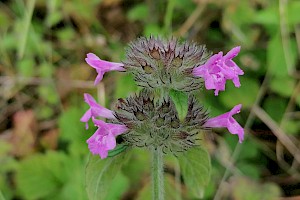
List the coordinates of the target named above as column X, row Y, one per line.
column 165, row 64
column 103, row 139
column 160, row 119
column 150, row 120
column 218, row 69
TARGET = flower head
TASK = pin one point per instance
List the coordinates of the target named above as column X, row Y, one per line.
column 104, row 139
column 156, row 124
column 102, row 66
column 226, row 120
column 95, row 110
column 218, row 69
column 165, row 64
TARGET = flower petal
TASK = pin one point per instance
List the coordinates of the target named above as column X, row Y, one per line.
column 115, row 129
column 99, row 77
column 235, row 128
column 96, row 109
column 102, row 66
column 104, row 139
column 226, row 120
column 86, row 116
column 103, row 153
column 214, row 59
column 92, row 56
column 110, row 141
column 95, row 143
column 232, row 53
column 200, row 71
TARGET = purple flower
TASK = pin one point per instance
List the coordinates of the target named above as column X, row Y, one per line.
column 226, row 120
column 104, row 139
column 102, row 66
column 218, row 69
column 95, row 110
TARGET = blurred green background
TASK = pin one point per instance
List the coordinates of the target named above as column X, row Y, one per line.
column 43, row 76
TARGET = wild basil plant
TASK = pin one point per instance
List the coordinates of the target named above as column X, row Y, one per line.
column 165, row 117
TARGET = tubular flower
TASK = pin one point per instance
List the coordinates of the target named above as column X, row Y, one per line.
column 218, row 69
column 102, row 66
column 95, row 110
column 104, row 139
column 226, row 120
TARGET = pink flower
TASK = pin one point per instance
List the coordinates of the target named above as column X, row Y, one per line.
column 102, row 66
column 226, row 120
column 218, row 69
column 95, row 110
column 104, row 139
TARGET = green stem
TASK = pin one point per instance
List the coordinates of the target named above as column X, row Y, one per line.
column 168, row 17
column 177, row 180
column 157, row 174
column 26, row 26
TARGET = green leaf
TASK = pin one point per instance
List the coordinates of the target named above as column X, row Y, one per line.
column 283, row 85
column 44, row 111
column 46, row 70
column 195, row 166
column 7, row 164
column 244, row 95
column 25, row 29
column 101, row 173
column 117, row 150
column 53, row 18
column 267, row 16
column 275, row 107
column 72, row 130
column 292, row 127
column 41, row 176
column 152, row 29
column 118, row 187
column 73, row 186
column 1, row 196
column 26, row 67
column 276, row 56
column 5, row 20
column 170, row 190
column 293, row 12
column 210, row 190
column 145, row 193
column 248, row 151
column 66, row 34
column 48, row 93
column 180, row 100
column 135, row 168
column 138, row 12
column 250, row 170
column 124, row 86
column 249, row 190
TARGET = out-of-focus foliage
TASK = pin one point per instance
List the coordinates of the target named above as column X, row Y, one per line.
column 100, row 175
column 43, row 76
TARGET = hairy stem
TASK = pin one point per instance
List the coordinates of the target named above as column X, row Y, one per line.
column 157, row 174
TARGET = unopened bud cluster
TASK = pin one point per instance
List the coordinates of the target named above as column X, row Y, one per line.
column 156, row 124
column 165, row 64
